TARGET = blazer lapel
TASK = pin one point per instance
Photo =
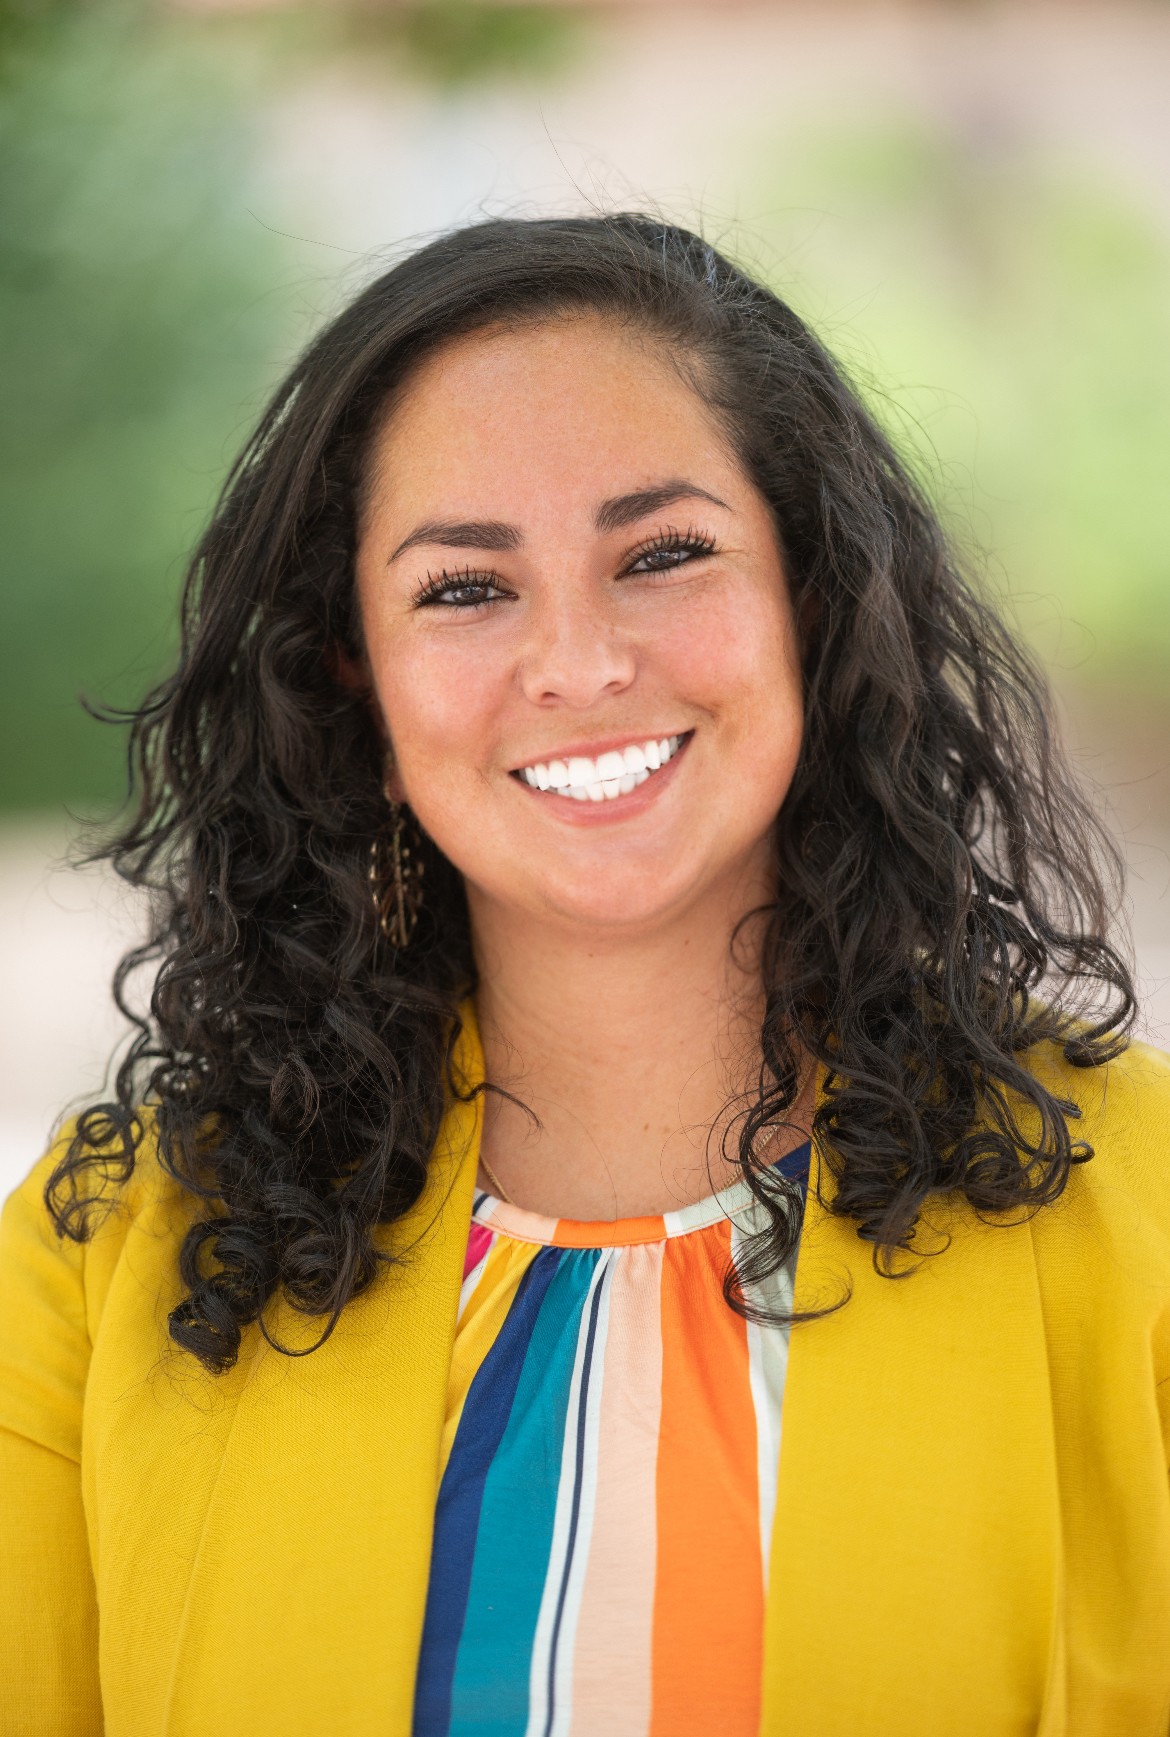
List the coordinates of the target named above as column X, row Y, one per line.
column 914, row 1583
column 305, row 1605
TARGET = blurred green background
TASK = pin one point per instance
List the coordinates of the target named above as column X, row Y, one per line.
column 184, row 193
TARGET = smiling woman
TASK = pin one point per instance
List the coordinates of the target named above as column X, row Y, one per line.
column 538, row 614
column 607, row 861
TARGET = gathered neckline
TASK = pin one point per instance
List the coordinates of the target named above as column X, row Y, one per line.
column 735, row 1202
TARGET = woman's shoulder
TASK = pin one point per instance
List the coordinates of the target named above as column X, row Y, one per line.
column 54, row 1286
column 1122, row 1111
column 1123, row 1104
column 110, row 1192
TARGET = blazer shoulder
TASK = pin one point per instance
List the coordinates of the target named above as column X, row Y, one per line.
column 53, row 1286
column 1122, row 1111
column 114, row 1195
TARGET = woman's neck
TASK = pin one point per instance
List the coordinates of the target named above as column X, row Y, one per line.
column 627, row 1051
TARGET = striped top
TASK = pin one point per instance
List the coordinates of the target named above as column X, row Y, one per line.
column 609, row 1465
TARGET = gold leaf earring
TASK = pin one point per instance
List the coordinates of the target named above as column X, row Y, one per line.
column 396, row 874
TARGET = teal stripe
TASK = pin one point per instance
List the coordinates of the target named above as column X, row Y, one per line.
column 490, row 1690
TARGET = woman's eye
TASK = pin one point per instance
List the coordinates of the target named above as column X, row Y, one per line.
column 458, row 591
column 670, row 552
column 656, row 560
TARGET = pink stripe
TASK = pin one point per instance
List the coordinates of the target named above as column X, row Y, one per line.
column 478, row 1243
column 611, row 1676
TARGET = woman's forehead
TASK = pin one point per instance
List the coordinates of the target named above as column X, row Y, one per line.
column 573, row 408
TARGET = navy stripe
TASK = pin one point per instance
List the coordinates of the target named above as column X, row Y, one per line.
column 575, row 1512
column 481, row 1428
column 794, row 1166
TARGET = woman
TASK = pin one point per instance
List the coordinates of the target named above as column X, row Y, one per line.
column 602, row 848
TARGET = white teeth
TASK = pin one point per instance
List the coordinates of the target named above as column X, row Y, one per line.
column 614, row 773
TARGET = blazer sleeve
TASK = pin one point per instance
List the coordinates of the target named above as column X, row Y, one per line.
column 48, row 1608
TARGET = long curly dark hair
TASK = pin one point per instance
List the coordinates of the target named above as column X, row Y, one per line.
column 943, row 895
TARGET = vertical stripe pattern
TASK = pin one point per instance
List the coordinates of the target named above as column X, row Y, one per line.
column 609, row 1460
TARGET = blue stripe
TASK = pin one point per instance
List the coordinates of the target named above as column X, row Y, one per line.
column 795, row 1164
column 457, row 1511
column 494, row 1663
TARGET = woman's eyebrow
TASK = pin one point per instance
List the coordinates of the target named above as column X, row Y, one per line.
column 462, row 534
column 622, row 510
column 611, row 515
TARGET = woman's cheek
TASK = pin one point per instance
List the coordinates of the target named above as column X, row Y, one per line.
column 436, row 701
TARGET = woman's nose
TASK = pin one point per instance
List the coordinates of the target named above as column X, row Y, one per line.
column 575, row 654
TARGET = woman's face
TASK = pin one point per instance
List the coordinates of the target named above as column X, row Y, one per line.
column 578, row 629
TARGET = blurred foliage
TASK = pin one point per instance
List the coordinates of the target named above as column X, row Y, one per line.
column 134, row 339
column 448, row 45
column 460, row 41
column 22, row 20
column 1014, row 333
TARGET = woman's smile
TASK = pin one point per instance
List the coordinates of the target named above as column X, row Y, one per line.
column 605, row 783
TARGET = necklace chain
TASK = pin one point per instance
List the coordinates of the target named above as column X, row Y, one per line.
column 501, row 1191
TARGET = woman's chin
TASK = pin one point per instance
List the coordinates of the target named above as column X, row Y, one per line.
column 620, row 904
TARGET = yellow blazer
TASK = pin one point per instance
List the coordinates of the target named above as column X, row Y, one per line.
column 972, row 1534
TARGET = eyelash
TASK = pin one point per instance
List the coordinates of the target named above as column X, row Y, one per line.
column 694, row 543
column 435, row 584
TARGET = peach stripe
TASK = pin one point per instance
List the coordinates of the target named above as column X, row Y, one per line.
column 709, row 1593
column 613, row 1643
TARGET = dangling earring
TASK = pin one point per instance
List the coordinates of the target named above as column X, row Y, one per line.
column 396, row 874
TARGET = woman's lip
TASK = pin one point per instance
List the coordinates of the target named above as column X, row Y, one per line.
column 576, row 813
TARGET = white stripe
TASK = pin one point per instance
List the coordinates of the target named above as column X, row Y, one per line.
column 467, row 1288
column 767, row 1368
column 542, row 1642
column 730, row 1202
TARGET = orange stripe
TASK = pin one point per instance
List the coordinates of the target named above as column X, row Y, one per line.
column 709, row 1597
column 611, row 1233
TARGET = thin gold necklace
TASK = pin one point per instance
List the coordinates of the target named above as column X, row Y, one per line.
column 501, row 1191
